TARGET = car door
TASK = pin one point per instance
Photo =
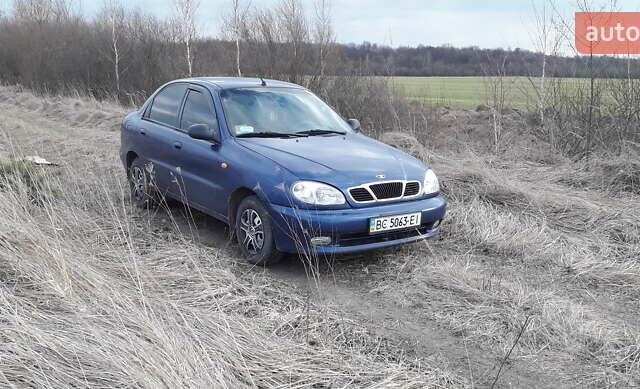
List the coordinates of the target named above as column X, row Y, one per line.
column 158, row 128
column 199, row 163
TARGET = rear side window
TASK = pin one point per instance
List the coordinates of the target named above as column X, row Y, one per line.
column 166, row 105
column 197, row 110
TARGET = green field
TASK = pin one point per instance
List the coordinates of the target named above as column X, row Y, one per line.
column 469, row 92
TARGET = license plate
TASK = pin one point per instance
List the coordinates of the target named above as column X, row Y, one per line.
column 394, row 222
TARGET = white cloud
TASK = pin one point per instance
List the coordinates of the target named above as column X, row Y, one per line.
column 487, row 24
column 436, row 27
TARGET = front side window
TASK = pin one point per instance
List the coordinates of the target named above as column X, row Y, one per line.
column 166, row 105
column 282, row 110
column 197, row 110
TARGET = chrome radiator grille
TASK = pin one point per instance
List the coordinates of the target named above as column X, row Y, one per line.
column 384, row 191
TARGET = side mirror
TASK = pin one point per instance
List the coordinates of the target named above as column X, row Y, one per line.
column 355, row 124
column 201, row 131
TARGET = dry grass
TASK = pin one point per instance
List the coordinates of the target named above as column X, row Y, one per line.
column 521, row 243
column 94, row 294
column 97, row 294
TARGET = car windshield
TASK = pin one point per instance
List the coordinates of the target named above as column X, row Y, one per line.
column 255, row 111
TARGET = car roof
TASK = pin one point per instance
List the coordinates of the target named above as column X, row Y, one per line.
column 239, row 82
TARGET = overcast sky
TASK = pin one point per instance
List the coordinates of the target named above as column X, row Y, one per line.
column 487, row 24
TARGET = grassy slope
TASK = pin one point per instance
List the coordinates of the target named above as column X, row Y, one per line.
column 97, row 294
column 555, row 244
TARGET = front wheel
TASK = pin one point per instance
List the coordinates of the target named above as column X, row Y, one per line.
column 254, row 230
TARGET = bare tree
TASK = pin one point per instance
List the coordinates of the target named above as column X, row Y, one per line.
column 586, row 6
column 293, row 28
column 547, row 40
column 323, row 36
column 41, row 11
column 186, row 11
column 281, row 42
column 497, row 87
column 266, row 39
column 114, row 15
column 593, row 101
column 234, row 25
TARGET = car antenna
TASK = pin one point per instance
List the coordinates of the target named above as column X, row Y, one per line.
column 263, row 82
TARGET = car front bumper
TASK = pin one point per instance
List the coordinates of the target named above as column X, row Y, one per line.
column 349, row 228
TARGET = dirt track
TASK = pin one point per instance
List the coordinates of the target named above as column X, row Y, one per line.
column 364, row 288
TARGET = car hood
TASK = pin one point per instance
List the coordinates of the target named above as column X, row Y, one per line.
column 342, row 161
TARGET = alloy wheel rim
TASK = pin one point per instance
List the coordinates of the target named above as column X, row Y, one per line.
column 137, row 183
column 252, row 231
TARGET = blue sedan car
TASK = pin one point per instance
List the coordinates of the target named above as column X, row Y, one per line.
column 282, row 168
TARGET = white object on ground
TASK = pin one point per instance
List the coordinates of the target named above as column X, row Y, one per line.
column 38, row 160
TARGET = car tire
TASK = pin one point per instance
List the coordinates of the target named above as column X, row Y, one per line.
column 143, row 195
column 254, row 232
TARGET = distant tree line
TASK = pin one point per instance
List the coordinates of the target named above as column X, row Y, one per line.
column 443, row 61
column 49, row 45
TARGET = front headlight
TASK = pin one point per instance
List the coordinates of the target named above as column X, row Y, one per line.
column 431, row 184
column 317, row 193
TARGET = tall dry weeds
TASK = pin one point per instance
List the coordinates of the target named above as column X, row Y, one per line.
column 95, row 295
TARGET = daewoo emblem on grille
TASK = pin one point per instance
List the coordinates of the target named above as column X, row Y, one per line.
column 380, row 176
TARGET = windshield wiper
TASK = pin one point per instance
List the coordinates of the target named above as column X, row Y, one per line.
column 318, row 131
column 270, row 134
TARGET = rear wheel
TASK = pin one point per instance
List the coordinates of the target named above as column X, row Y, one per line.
column 142, row 193
column 254, row 230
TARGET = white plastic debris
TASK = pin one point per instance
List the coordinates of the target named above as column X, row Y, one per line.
column 38, row 160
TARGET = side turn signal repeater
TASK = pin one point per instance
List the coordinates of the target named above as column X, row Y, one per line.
column 224, row 165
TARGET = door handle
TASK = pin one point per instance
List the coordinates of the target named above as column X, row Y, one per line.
column 143, row 132
column 177, row 145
